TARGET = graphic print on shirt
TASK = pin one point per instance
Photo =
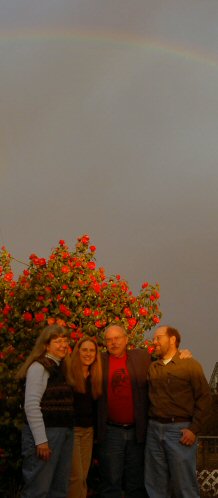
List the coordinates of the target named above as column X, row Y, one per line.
column 120, row 382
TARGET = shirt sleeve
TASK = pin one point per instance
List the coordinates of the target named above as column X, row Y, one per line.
column 36, row 382
column 202, row 398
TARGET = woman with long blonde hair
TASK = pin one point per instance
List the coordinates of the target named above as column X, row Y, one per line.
column 47, row 436
column 86, row 371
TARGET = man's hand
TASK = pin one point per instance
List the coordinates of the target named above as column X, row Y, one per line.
column 43, row 451
column 188, row 437
column 184, row 353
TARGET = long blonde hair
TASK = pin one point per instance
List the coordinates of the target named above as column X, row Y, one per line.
column 95, row 369
column 45, row 336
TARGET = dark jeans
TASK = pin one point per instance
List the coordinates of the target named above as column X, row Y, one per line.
column 121, row 464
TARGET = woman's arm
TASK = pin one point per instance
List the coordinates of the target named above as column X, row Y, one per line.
column 36, row 382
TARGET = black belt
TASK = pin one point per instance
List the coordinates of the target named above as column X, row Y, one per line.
column 171, row 420
column 121, row 426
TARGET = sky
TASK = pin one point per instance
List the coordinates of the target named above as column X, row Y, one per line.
column 108, row 126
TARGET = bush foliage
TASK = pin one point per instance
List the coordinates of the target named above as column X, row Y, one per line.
column 69, row 289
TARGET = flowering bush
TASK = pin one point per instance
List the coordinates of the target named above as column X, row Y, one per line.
column 68, row 289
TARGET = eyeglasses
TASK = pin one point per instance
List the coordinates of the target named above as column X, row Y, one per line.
column 117, row 338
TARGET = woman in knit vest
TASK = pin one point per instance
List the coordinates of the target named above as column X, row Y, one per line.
column 87, row 375
column 47, row 436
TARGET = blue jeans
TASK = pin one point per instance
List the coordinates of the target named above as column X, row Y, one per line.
column 47, row 479
column 121, row 464
column 169, row 465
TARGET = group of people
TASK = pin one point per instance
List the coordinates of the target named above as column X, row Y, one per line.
column 148, row 414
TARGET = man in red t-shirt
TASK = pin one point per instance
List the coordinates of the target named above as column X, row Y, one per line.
column 122, row 417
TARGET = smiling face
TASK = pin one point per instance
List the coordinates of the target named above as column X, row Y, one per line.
column 163, row 343
column 116, row 341
column 58, row 347
column 87, row 352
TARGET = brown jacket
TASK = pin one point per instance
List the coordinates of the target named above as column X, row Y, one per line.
column 179, row 389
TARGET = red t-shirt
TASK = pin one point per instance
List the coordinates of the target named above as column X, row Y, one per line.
column 120, row 398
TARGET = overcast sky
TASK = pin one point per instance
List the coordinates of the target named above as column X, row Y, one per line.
column 108, row 126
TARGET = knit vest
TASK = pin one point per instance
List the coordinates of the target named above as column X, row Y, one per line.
column 57, row 401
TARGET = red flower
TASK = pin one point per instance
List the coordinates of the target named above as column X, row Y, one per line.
column 96, row 287
column 39, row 317
column 152, row 298
column 143, row 311
column 78, row 264
column 127, row 312
column 72, row 325
column 151, row 349
column 34, row 259
column 73, row 335
column 85, row 239
column 144, row 285
column 65, row 269
column 156, row 319
column 27, row 316
column 62, row 242
column 97, row 313
column 6, row 309
column 102, row 273
column 91, row 265
column 41, row 262
column 40, row 298
column 33, row 256
column 118, row 277
column 92, row 248
column 124, row 287
column 132, row 322
column 100, row 324
column 65, row 287
column 26, row 272
column 133, row 299
column 63, row 309
column 8, row 276
column 87, row 312
column 104, row 285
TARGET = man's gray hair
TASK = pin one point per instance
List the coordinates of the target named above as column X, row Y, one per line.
column 115, row 324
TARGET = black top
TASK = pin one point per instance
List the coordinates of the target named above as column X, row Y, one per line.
column 84, row 406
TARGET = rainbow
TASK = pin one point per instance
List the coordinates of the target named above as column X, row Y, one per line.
column 120, row 40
